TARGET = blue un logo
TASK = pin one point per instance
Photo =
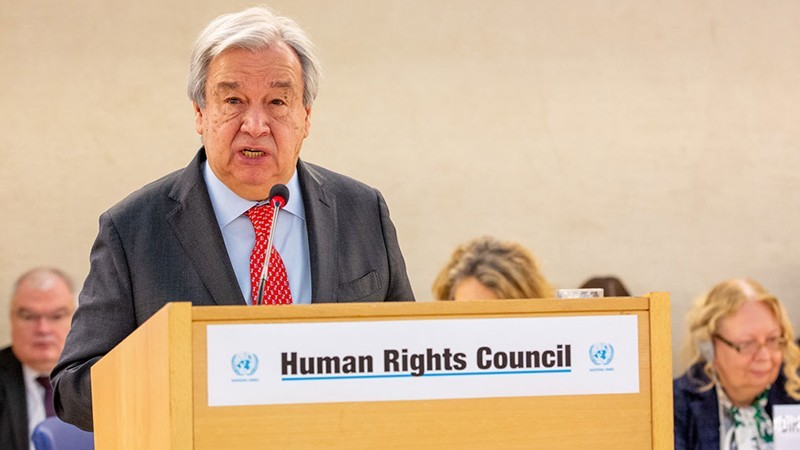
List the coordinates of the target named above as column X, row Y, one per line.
column 601, row 353
column 244, row 364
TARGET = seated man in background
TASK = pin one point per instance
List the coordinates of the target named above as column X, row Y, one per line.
column 485, row 269
column 743, row 361
column 42, row 303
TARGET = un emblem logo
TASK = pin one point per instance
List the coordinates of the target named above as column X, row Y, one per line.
column 244, row 364
column 601, row 353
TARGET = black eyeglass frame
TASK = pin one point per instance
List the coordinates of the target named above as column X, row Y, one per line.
column 780, row 341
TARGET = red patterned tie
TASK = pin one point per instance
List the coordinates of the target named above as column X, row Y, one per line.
column 276, row 289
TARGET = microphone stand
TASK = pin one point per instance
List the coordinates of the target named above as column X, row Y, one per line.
column 263, row 279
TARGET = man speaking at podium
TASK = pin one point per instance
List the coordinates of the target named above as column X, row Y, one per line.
column 200, row 234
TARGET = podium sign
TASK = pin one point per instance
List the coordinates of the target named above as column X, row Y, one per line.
column 269, row 364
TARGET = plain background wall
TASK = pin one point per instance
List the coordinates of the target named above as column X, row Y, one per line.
column 657, row 141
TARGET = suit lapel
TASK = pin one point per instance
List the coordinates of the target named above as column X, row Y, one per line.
column 321, row 226
column 196, row 227
column 15, row 396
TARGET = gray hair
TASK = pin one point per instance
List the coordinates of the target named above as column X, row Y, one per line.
column 42, row 278
column 253, row 29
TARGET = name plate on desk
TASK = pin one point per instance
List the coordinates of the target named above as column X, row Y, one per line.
column 322, row 362
column 786, row 425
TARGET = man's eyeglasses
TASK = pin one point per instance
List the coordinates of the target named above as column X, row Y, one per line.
column 749, row 348
column 29, row 318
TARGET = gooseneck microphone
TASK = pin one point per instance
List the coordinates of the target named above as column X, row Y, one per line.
column 278, row 197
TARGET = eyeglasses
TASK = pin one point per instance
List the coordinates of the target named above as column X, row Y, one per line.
column 30, row 319
column 749, row 348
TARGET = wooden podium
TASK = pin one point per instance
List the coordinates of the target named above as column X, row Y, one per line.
column 151, row 391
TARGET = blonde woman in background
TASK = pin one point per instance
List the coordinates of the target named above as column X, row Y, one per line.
column 743, row 361
column 486, row 268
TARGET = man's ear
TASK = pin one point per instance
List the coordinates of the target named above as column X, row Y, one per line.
column 307, row 124
column 198, row 118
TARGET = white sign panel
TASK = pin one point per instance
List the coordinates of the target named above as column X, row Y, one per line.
column 264, row 364
column 786, row 421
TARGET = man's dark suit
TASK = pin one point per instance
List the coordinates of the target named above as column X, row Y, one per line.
column 163, row 244
column 13, row 403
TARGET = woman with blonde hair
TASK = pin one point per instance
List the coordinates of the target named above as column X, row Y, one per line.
column 743, row 361
column 486, row 268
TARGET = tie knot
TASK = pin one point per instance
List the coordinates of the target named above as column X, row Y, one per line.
column 44, row 381
column 261, row 217
column 260, row 211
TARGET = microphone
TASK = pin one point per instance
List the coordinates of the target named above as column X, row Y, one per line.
column 278, row 197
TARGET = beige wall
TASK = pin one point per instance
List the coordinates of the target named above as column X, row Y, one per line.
column 654, row 140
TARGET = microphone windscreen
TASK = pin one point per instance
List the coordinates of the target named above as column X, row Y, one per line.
column 279, row 195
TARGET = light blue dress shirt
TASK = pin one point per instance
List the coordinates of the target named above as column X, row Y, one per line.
column 291, row 235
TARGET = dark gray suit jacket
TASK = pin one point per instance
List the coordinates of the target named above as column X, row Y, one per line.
column 163, row 244
column 13, row 403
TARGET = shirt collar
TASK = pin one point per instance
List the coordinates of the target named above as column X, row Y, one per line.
column 31, row 375
column 228, row 206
